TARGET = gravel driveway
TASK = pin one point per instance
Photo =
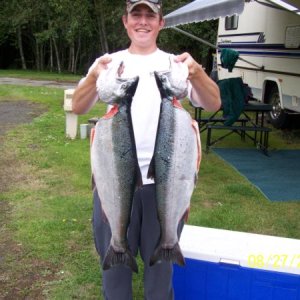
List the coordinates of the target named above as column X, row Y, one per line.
column 46, row 83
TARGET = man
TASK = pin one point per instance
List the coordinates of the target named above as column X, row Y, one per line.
column 143, row 20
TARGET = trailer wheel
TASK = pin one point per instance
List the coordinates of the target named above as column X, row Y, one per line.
column 277, row 117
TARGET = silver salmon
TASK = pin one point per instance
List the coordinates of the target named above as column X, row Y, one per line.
column 174, row 168
column 115, row 171
column 111, row 86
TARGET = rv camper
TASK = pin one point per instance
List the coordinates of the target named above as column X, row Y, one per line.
column 268, row 38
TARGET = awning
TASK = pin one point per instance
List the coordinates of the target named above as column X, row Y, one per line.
column 295, row 3
column 292, row 5
column 201, row 10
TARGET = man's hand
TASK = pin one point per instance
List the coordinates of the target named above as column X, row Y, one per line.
column 192, row 65
column 85, row 95
column 205, row 93
column 99, row 65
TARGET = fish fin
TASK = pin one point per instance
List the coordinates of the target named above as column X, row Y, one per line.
column 93, row 184
column 186, row 215
column 195, row 178
column 121, row 69
column 176, row 103
column 171, row 255
column 151, row 170
column 92, row 136
column 112, row 112
column 113, row 258
column 195, row 126
column 103, row 216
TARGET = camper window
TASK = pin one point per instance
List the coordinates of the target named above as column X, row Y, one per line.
column 231, row 23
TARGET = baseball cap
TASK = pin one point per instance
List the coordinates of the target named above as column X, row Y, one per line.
column 155, row 5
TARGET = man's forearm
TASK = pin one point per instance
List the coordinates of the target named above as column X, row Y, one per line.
column 205, row 92
column 85, row 95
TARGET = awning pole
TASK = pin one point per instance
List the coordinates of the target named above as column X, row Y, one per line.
column 252, row 64
column 194, row 37
column 212, row 45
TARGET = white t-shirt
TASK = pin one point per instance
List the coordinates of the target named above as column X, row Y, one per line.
column 145, row 106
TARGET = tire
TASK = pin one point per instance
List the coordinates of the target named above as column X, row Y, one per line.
column 277, row 117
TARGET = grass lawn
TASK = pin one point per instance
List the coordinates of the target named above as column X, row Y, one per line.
column 46, row 209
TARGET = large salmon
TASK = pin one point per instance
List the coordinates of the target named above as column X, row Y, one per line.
column 116, row 172
column 174, row 167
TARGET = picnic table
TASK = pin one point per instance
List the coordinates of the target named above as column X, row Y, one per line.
column 245, row 124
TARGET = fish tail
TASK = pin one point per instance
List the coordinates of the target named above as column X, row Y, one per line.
column 113, row 258
column 173, row 255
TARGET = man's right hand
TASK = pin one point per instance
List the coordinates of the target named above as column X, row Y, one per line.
column 85, row 95
column 99, row 65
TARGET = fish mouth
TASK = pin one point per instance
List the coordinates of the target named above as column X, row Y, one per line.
column 169, row 86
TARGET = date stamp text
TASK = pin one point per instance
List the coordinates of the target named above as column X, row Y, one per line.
column 274, row 260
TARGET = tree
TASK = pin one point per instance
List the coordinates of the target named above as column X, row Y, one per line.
column 19, row 13
column 65, row 35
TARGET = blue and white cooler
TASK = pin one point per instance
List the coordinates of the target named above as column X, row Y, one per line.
column 223, row 265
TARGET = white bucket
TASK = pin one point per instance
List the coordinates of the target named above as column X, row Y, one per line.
column 83, row 131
